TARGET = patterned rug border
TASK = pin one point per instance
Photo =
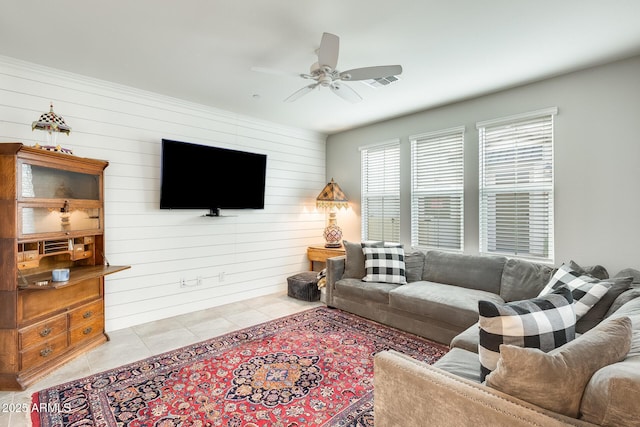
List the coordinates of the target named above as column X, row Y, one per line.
column 101, row 382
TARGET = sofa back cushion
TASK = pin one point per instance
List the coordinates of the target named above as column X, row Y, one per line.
column 523, row 279
column 483, row 273
column 354, row 263
column 414, row 265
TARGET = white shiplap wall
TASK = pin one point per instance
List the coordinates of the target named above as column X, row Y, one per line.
column 252, row 251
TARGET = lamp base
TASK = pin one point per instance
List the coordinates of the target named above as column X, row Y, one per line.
column 332, row 234
column 333, row 245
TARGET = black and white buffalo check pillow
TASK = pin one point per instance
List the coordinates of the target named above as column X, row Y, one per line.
column 586, row 290
column 384, row 264
column 545, row 322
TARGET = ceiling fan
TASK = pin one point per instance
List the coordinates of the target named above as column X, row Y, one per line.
column 324, row 73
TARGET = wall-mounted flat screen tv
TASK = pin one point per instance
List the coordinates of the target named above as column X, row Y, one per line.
column 197, row 176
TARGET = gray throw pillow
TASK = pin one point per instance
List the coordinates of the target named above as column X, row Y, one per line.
column 597, row 271
column 630, row 272
column 624, row 298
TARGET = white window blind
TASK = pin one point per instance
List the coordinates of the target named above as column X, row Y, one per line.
column 516, row 186
column 437, row 190
column 381, row 191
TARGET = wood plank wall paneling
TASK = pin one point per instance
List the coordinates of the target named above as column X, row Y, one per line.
column 256, row 250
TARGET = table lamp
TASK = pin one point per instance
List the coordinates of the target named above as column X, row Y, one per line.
column 331, row 197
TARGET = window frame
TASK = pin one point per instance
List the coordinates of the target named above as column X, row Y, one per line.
column 437, row 172
column 387, row 175
column 526, row 193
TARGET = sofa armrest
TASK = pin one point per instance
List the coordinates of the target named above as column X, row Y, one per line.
column 408, row 393
column 335, row 270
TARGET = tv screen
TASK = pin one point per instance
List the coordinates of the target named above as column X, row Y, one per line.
column 197, row 176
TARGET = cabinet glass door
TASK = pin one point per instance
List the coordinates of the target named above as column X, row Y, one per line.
column 40, row 182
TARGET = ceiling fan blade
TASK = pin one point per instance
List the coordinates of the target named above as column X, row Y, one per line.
column 328, row 51
column 345, row 92
column 300, row 92
column 371, row 72
column 275, row 72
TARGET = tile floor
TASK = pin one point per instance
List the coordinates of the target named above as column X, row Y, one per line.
column 141, row 341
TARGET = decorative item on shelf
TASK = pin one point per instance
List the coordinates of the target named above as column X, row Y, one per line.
column 52, row 124
column 65, row 214
column 60, row 275
column 331, row 197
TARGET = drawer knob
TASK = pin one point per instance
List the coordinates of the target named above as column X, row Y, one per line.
column 87, row 331
column 87, row 314
column 45, row 352
column 45, row 332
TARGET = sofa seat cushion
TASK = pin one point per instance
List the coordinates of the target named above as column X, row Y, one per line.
column 364, row 291
column 451, row 304
column 461, row 362
column 467, row 339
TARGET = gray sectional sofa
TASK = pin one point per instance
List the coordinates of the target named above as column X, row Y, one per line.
column 441, row 297
column 440, row 302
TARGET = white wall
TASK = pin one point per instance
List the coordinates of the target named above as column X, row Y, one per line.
column 597, row 160
column 255, row 249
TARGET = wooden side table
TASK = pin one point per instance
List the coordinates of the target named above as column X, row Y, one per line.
column 320, row 254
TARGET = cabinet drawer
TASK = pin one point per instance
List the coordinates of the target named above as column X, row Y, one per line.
column 43, row 352
column 43, row 331
column 86, row 313
column 24, row 265
column 82, row 255
column 87, row 330
column 30, row 255
column 39, row 302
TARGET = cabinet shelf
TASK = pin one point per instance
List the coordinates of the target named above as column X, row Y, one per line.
column 76, row 275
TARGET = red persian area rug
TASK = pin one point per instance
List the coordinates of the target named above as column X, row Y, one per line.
column 314, row 368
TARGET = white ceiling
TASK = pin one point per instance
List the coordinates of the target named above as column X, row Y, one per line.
column 203, row 50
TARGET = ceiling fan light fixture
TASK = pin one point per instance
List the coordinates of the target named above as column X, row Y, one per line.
column 324, row 72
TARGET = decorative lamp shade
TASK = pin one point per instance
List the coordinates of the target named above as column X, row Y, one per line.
column 51, row 122
column 332, row 196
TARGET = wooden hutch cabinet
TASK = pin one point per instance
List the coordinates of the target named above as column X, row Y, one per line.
column 51, row 218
